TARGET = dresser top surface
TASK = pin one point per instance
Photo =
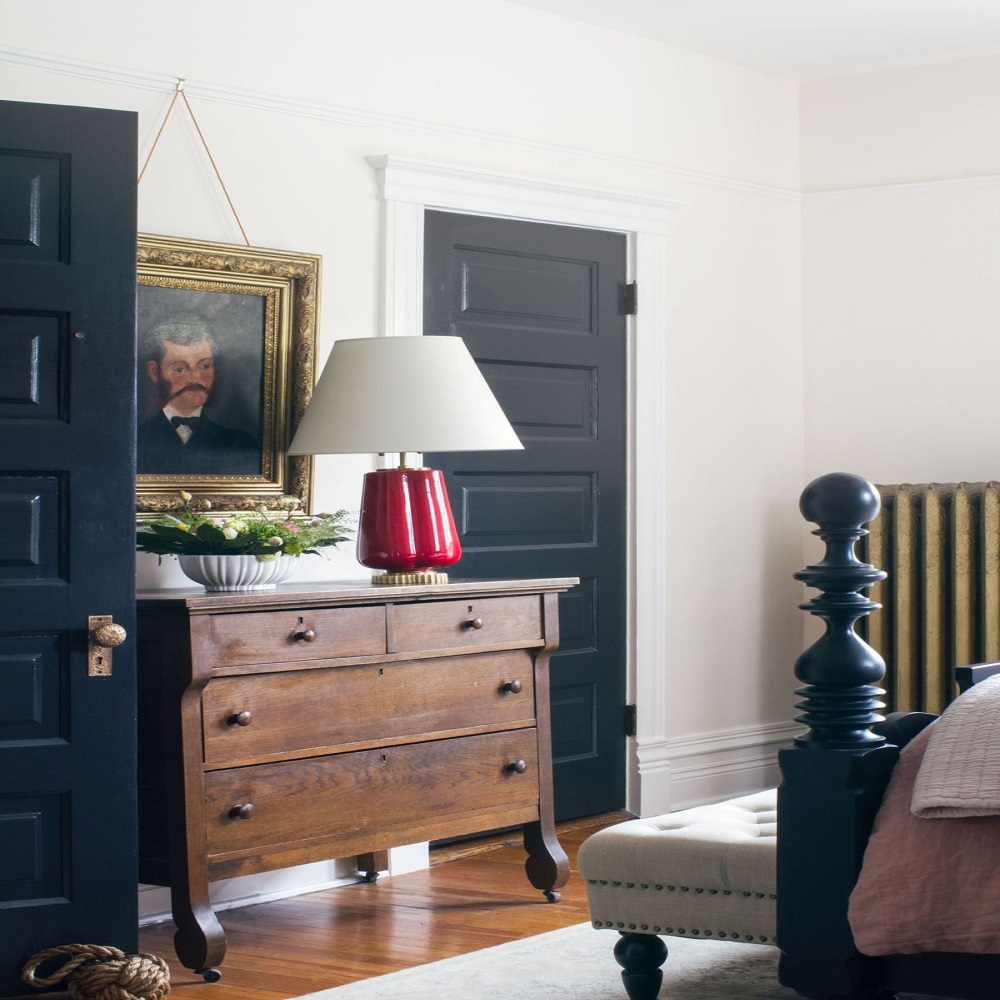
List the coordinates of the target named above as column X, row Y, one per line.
column 196, row 599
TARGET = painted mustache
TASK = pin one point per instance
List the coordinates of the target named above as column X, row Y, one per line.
column 193, row 387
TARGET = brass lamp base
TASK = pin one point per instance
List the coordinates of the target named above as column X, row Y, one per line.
column 399, row 579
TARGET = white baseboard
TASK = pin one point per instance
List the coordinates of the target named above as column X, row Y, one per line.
column 707, row 767
column 227, row 894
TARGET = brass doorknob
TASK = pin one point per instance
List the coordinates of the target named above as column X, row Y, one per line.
column 475, row 623
column 108, row 635
column 306, row 635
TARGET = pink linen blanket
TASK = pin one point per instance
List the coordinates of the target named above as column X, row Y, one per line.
column 926, row 884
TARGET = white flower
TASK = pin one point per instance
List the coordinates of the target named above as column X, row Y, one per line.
column 230, row 533
column 275, row 542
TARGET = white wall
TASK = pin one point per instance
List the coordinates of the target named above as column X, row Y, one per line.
column 293, row 101
column 901, row 252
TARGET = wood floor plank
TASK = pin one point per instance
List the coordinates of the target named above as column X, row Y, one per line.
column 290, row 947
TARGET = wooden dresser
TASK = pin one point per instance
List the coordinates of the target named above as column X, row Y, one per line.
column 314, row 722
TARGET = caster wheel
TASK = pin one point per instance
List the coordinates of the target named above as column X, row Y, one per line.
column 552, row 896
column 209, row 975
column 371, row 877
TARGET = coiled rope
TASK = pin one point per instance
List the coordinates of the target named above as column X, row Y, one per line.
column 99, row 973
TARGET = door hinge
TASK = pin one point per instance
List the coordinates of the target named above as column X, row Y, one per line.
column 630, row 720
column 630, row 298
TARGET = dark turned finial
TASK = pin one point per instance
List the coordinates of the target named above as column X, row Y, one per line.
column 840, row 670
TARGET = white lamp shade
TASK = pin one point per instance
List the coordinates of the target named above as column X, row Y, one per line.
column 402, row 394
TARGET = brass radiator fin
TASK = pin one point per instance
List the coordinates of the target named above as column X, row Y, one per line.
column 940, row 544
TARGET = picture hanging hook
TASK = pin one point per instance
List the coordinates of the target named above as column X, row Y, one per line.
column 179, row 92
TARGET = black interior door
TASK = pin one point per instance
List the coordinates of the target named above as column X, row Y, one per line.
column 67, row 492
column 540, row 308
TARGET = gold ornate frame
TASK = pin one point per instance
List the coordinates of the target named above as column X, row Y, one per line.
column 288, row 286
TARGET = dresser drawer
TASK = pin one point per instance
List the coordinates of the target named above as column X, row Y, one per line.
column 396, row 795
column 303, row 710
column 306, row 634
column 490, row 621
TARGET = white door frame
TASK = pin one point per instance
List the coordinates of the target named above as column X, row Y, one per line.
column 406, row 189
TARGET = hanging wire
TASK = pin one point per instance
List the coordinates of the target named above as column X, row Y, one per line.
column 179, row 92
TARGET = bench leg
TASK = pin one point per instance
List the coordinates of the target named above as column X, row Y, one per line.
column 640, row 956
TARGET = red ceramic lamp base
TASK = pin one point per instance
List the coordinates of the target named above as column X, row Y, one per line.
column 406, row 526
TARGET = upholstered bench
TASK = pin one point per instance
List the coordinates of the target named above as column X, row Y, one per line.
column 706, row 872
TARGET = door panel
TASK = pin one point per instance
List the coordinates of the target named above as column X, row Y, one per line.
column 539, row 308
column 67, row 487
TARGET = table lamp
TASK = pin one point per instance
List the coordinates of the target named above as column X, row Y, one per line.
column 403, row 395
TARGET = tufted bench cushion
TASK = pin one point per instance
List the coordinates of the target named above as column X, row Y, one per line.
column 702, row 872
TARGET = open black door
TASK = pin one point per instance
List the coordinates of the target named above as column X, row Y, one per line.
column 540, row 308
column 67, row 502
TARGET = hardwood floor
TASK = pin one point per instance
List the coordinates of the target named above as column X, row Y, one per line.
column 469, row 898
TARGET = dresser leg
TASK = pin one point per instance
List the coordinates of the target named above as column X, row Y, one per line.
column 547, row 865
column 200, row 941
column 372, row 863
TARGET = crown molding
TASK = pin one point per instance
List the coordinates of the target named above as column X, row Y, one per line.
column 84, row 70
column 382, row 122
column 102, row 73
column 945, row 186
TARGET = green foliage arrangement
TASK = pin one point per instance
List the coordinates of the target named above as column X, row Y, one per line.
column 265, row 533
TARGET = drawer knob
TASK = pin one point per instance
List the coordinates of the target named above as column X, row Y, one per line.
column 244, row 811
column 474, row 623
column 243, row 718
column 514, row 687
column 517, row 766
column 306, row 635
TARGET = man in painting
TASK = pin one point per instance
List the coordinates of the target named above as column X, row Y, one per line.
column 180, row 439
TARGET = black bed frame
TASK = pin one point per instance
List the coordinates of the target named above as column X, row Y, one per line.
column 834, row 776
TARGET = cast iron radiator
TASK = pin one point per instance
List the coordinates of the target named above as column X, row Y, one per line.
column 940, row 544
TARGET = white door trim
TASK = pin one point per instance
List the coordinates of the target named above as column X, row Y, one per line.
column 408, row 187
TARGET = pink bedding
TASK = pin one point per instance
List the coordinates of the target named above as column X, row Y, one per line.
column 926, row 884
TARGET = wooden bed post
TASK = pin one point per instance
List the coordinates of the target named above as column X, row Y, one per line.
column 834, row 775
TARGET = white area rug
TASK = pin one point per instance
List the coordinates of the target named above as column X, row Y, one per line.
column 576, row 963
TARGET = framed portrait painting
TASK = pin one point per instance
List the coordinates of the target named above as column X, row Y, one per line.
column 227, row 340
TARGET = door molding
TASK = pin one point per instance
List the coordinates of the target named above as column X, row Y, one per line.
column 406, row 189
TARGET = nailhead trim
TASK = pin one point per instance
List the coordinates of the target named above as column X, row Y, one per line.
column 685, row 932
column 682, row 888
